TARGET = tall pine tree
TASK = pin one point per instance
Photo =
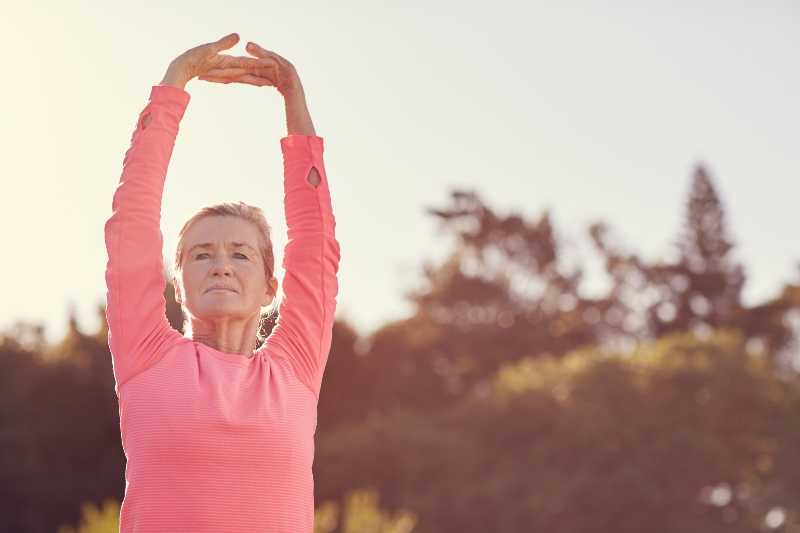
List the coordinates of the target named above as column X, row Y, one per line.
column 703, row 288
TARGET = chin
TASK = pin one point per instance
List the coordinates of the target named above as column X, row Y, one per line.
column 223, row 309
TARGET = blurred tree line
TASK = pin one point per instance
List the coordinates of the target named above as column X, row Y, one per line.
column 509, row 401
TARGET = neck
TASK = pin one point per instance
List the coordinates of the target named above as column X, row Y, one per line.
column 227, row 335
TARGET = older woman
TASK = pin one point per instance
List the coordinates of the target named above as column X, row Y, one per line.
column 218, row 432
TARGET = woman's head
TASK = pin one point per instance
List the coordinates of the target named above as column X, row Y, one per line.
column 224, row 263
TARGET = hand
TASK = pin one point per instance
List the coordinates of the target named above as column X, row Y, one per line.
column 204, row 58
column 270, row 69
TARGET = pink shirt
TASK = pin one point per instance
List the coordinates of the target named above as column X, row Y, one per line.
column 215, row 441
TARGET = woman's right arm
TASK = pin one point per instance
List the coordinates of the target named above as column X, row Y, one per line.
column 139, row 334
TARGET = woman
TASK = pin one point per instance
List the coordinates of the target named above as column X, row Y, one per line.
column 219, row 433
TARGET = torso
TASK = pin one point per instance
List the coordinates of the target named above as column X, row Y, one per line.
column 218, row 442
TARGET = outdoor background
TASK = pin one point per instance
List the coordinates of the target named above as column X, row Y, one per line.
column 569, row 289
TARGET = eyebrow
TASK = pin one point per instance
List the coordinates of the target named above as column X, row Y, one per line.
column 234, row 244
column 204, row 245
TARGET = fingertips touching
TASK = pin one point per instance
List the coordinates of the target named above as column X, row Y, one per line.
column 251, row 79
column 226, row 72
column 227, row 61
column 215, row 79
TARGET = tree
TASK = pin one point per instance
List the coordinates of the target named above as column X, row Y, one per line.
column 704, row 287
column 59, row 422
column 507, row 402
column 503, row 294
column 700, row 290
column 591, row 442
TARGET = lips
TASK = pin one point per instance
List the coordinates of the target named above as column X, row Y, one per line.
column 227, row 288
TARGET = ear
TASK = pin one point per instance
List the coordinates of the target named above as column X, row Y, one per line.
column 272, row 290
column 177, row 285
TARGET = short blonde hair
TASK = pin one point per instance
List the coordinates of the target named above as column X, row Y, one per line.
column 241, row 210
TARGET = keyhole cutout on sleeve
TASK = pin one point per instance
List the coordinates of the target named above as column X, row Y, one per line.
column 146, row 120
column 313, row 177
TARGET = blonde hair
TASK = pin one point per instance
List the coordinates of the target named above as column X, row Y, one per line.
column 241, row 210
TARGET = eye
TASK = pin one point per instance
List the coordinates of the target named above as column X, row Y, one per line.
column 201, row 256
column 240, row 255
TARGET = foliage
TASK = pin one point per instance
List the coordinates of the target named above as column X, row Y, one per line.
column 509, row 401
column 59, row 431
column 362, row 515
column 508, row 292
column 591, row 442
column 94, row 520
column 701, row 289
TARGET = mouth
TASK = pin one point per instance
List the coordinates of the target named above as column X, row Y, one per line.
column 220, row 288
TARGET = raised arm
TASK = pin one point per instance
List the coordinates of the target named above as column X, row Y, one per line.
column 310, row 261
column 139, row 334
column 311, row 258
column 138, row 328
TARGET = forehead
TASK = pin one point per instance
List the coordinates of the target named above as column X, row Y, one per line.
column 222, row 229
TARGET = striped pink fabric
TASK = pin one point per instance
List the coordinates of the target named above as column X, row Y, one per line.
column 215, row 441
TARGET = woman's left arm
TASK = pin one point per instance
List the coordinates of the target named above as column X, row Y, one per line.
column 311, row 257
column 310, row 262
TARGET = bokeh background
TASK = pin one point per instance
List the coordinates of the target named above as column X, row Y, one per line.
column 569, row 292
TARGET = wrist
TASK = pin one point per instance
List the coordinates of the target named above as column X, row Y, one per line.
column 291, row 89
column 294, row 99
column 175, row 76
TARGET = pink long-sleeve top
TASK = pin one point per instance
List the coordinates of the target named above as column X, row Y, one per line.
column 216, row 441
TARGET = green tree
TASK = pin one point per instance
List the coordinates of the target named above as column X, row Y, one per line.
column 684, row 435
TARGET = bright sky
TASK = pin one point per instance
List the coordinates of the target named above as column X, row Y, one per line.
column 595, row 110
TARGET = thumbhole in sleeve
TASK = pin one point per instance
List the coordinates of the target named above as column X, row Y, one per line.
column 146, row 120
column 313, row 177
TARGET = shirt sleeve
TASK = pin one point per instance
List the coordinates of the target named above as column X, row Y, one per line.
column 311, row 259
column 139, row 333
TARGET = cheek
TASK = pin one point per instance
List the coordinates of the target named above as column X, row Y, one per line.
column 189, row 280
column 256, row 279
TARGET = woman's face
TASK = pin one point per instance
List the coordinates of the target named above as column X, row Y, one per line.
column 222, row 270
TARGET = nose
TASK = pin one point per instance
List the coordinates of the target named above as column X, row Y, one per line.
column 221, row 267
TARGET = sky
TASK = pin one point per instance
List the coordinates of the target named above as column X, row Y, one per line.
column 590, row 110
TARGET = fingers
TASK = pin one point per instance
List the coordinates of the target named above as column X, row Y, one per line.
column 285, row 78
column 262, row 69
column 226, row 43
column 215, row 79
column 266, row 72
column 226, row 72
column 238, row 68
column 226, row 61
column 248, row 79
column 251, row 79
column 254, row 50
